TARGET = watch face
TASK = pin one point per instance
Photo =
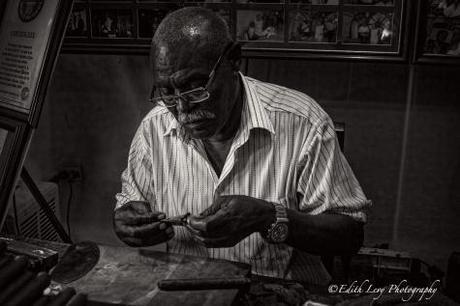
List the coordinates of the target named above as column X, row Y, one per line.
column 279, row 233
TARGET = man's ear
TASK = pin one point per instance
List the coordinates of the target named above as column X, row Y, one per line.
column 234, row 56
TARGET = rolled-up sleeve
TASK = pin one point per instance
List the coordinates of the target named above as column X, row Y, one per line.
column 326, row 182
column 136, row 179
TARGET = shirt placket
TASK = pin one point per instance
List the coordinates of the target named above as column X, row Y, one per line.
column 240, row 139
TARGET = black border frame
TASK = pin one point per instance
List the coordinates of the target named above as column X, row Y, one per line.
column 403, row 8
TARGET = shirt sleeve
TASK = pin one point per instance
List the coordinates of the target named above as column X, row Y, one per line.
column 326, row 181
column 137, row 178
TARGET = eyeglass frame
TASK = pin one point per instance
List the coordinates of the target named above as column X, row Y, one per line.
column 180, row 95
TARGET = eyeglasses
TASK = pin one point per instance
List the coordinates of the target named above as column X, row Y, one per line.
column 196, row 95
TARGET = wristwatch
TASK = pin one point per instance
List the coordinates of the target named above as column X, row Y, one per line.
column 279, row 230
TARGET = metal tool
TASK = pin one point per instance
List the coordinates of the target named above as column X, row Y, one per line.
column 180, row 220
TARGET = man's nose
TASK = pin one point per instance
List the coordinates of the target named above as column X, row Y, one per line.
column 183, row 106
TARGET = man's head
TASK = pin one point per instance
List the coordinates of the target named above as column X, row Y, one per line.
column 184, row 51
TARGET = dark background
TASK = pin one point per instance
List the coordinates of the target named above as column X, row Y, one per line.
column 406, row 156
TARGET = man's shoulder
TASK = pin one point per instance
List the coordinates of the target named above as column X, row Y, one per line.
column 287, row 101
column 158, row 116
column 155, row 123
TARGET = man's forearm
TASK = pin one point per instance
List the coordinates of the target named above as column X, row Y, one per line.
column 324, row 234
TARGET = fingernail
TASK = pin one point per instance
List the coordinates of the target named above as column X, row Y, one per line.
column 162, row 216
column 163, row 226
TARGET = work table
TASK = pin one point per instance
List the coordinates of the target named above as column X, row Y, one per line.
column 111, row 275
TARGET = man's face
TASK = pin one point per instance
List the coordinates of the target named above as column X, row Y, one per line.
column 185, row 69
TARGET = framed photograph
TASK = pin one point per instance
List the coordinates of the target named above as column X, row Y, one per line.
column 14, row 137
column 112, row 23
column 30, row 37
column 78, row 22
column 149, row 20
column 208, row 1
column 339, row 29
column 370, row 2
column 317, row 2
column 259, row 1
column 438, row 32
column 260, row 25
column 372, row 28
column 306, row 25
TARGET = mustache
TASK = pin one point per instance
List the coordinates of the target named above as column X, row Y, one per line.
column 195, row 116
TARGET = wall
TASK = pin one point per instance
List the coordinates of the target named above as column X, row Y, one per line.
column 407, row 162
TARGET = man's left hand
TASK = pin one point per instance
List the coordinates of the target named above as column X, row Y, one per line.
column 230, row 219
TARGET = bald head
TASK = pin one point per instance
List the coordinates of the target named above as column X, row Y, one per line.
column 194, row 58
column 192, row 29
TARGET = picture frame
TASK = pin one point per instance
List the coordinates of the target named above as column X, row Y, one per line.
column 31, row 33
column 112, row 23
column 78, row 24
column 14, row 139
column 437, row 32
column 265, row 25
column 302, row 28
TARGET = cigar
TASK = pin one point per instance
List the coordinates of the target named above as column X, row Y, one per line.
column 204, row 283
column 15, row 286
column 14, row 269
column 31, row 291
column 63, row 297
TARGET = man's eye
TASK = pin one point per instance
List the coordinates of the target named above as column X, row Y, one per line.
column 198, row 83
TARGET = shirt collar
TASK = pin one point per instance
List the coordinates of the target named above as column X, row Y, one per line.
column 253, row 114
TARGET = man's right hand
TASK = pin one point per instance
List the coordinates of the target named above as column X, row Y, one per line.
column 137, row 225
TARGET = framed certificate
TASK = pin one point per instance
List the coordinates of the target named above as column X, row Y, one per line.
column 30, row 37
column 31, row 32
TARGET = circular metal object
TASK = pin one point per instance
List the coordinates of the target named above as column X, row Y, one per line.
column 77, row 261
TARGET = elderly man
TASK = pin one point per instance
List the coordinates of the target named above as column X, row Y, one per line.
column 257, row 165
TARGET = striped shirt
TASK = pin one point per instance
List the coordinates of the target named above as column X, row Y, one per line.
column 285, row 146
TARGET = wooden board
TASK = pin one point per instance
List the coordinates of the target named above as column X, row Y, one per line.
column 129, row 276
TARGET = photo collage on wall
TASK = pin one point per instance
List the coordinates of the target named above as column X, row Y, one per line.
column 368, row 27
column 298, row 24
column 265, row 25
column 313, row 26
column 443, row 28
column 78, row 22
column 116, row 23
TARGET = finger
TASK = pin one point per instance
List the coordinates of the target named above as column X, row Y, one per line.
column 137, row 207
column 197, row 223
column 170, row 232
column 132, row 219
column 151, row 240
column 144, row 231
column 216, row 205
column 221, row 242
column 196, row 232
column 214, row 225
column 218, row 224
column 192, row 230
column 133, row 242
